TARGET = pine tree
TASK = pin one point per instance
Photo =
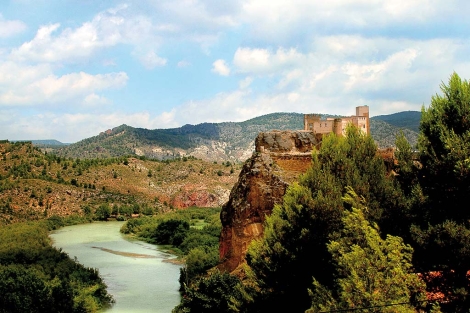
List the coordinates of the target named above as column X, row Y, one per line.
column 293, row 248
column 371, row 272
column 441, row 230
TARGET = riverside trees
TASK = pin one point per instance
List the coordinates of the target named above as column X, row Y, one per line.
column 35, row 277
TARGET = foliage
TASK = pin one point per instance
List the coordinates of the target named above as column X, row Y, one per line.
column 123, row 140
column 371, row 272
column 171, row 232
column 197, row 245
column 220, row 292
column 296, row 234
column 103, row 212
column 35, row 277
column 441, row 226
column 407, row 119
column 384, row 134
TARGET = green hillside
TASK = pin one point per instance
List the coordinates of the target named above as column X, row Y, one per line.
column 233, row 141
column 407, row 119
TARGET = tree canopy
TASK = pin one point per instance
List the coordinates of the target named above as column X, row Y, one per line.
column 441, row 224
column 293, row 248
column 371, row 272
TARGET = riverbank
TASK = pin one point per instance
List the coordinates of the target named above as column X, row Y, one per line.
column 36, row 277
column 140, row 277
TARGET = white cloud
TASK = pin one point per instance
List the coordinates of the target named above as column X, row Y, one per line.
column 263, row 61
column 107, row 29
column 150, row 60
column 10, row 28
column 95, row 100
column 285, row 22
column 37, row 85
column 183, row 63
column 220, row 67
column 245, row 83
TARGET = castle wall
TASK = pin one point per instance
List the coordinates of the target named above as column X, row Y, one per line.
column 323, row 127
column 313, row 122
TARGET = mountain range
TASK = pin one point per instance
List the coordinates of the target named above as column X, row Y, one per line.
column 232, row 141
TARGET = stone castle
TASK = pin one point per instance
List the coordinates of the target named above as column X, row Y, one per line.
column 314, row 123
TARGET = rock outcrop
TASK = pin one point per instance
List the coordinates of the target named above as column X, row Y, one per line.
column 280, row 157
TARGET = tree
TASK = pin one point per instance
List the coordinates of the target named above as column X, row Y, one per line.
column 172, row 231
column 220, row 292
column 103, row 212
column 293, row 248
column 371, row 271
column 444, row 145
column 442, row 231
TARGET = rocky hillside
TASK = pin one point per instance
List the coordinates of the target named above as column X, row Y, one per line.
column 35, row 185
column 215, row 141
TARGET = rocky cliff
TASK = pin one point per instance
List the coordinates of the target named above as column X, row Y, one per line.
column 280, row 157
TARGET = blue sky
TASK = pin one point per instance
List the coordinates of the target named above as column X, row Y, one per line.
column 71, row 69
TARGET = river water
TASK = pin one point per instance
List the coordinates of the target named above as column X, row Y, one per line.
column 136, row 273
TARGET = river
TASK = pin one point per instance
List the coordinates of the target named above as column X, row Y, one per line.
column 136, row 273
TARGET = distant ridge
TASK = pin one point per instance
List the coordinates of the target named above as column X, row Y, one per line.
column 407, row 119
column 227, row 141
column 49, row 142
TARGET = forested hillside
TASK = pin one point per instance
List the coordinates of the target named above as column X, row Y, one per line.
column 407, row 119
column 218, row 141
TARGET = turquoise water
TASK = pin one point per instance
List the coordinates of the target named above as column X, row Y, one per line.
column 136, row 272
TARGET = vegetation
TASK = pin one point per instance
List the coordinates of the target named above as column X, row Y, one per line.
column 440, row 227
column 370, row 271
column 36, row 185
column 312, row 213
column 350, row 236
column 233, row 138
column 193, row 234
column 385, row 134
column 404, row 120
column 35, row 277
column 55, row 191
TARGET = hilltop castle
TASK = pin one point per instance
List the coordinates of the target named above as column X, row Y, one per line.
column 314, row 123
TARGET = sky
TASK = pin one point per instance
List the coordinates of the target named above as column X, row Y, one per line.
column 70, row 69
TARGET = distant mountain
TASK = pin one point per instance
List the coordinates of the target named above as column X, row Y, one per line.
column 407, row 119
column 48, row 142
column 44, row 143
column 209, row 141
column 212, row 141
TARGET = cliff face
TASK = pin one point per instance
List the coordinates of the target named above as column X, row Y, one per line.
column 280, row 157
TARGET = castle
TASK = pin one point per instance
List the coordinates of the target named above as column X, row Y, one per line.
column 314, row 123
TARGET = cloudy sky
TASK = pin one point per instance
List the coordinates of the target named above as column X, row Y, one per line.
column 70, row 69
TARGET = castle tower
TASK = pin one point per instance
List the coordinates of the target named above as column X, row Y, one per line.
column 364, row 111
column 310, row 120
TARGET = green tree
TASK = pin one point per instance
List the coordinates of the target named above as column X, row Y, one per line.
column 296, row 233
column 199, row 260
column 371, row 271
column 444, row 145
column 103, row 212
column 441, row 229
column 172, row 231
column 220, row 292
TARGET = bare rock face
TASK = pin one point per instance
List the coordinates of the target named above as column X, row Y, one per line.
column 286, row 141
column 280, row 157
column 196, row 195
